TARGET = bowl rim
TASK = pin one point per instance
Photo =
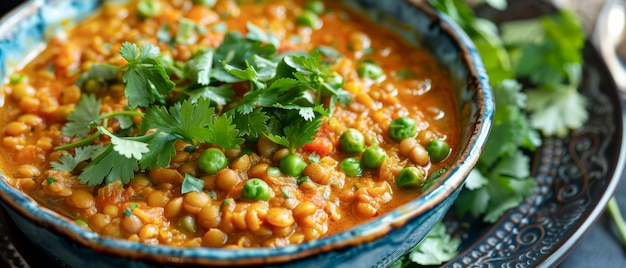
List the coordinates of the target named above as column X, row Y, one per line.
column 451, row 180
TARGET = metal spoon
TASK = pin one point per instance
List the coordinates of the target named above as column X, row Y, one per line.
column 609, row 37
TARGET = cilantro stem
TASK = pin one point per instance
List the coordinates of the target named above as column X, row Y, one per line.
column 119, row 113
column 85, row 141
column 94, row 136
column 616, row 215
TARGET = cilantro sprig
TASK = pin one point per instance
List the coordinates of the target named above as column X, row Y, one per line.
column 146, row 80
column 546, row 104
column 284, row 103
column 534, row 68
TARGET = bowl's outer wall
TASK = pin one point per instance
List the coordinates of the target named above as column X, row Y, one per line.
column 28, row 28
column 70, row 253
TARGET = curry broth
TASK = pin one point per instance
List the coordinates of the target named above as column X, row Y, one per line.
column 151, row 208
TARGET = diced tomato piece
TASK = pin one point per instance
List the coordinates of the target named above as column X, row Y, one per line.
column 322, row 146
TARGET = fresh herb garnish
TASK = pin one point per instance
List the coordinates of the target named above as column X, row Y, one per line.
column 146, row 79
column 284, row 102
column 544, row 51
column 436, row 248
column 285, row 192
column 127, row 212
column 191, row 184
column 69, row 162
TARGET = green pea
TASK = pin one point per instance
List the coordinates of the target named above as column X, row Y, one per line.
column 256, row 190
column 207, row 3
column 187, row 224
column 92, row 85
column 370, row 70
column 308, row 18
column 82, row 222
column 212, row 160
column 15, row 79
column 352, row 141
column 148, row 8
column 351, row 166
column 334, row 80
column 410, row 177
column 292, row 165
column 438, row 150
column 316, row 7
column 402, row 128
column 373, row 157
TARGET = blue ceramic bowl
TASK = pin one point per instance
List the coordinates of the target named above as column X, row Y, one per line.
column 377, row 243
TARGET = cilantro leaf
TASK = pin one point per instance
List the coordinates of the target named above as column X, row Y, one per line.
column 560, row 109
column 191, row 184
column 68, row 162
column 247, row 74
column 475, row 180
column 494, row 192
column 235, row 50
column 266, row 68
column 545, row 46
column 221, row 95
column 98, row 72
column 278, row 139
column 255, row 33
column 253, row 124
column 129, row 51
column 147, row 52
column 126, row 147
column 193, row 119
column 159, row 118
column 146, row 80
column 198, row 68
column 511, row 128
column 160, row 150
column 187, row 120
column 302, row 132
column 265, row 97
column 125, row 121
column 223, row 133
column 87, row 110
column 305, row 112
column 437, row 248
column 556, row 112
column 108, row 166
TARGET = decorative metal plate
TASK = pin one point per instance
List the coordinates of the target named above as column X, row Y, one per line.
column 576, row 176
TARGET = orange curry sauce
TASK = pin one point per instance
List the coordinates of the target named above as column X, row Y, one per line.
column 151, row 208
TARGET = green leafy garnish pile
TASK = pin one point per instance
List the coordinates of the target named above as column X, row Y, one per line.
column 283, row 101
column 535, row 68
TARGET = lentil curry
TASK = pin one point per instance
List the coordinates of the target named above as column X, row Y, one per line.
column 226, row 123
